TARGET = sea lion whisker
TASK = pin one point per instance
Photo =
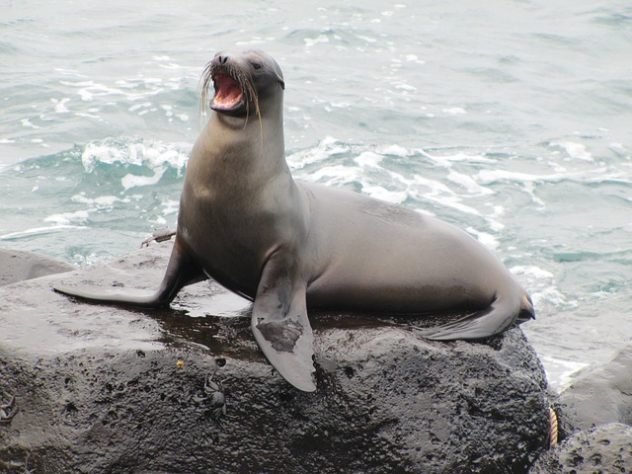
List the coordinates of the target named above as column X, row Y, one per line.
column 243, row 84
column 206, row 81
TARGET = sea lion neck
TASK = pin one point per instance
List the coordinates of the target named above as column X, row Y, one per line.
column 246, row 155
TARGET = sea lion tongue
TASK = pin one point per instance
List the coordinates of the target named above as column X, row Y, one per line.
column 228, row 94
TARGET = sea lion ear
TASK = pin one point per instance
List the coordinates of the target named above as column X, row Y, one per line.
column 277, row 71
column 279, row 74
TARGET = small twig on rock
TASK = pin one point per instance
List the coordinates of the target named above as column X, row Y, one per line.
column 158, row 236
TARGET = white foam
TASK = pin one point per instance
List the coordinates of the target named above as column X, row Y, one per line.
column 170, row 206
column 437, row 192
column 340, row 105
column 485, row 238
column 67, row 218
column 369, row 159
column 493, row 222
column 155, row 155
column 142, row 105
column 373, row 176
column 171, row 66
column 253, row 40
column 379, row 192
column 404, row 86
column 91, row 116
column 131, row 89
column 28, row 124
column 542, row 286
column 88, row 93
column 413, row 58
column 336, row 175
column 99, row 202
column 69, row 72
column 394, row 150
column 468, row 184
column 446, row 201
column 560, row 372
column 494, row 176
column 38, row 231
column 447, row 160
column 455, row 111
column 94, row 153
column 435, row 187
column 574, row 150
column 309, row 42
column 131, row 181
column 60, row 105
column 326, row 148
column 531, row 271
column 368, row 39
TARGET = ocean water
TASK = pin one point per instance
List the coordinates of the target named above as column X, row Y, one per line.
column 512, row 120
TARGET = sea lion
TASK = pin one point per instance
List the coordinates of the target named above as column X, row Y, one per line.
column 288, row 245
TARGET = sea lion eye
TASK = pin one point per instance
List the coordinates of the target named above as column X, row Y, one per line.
column 256, row 65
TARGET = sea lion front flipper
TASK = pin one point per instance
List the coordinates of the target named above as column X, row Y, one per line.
column 181, row 271
column 280, row 323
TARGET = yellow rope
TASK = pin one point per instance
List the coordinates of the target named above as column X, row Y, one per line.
column 553, row 435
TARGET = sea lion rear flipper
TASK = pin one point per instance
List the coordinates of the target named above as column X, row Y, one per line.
column 510, row 308
column 280, row 323
column 181, row 271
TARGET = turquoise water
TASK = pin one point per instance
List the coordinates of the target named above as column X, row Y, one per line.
column 510, row 119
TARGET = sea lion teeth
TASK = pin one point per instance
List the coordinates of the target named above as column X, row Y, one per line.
column 228, row 93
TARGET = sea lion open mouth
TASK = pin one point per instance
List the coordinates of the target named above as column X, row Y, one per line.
column 235, row 90
column 228, row 93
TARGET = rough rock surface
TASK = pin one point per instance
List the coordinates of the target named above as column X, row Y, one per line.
column 595, row 418
column 105, row 389
column 17, row 266
column 599, row 396
column 606, row 449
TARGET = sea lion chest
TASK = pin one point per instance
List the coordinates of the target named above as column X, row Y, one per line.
column 232, row 215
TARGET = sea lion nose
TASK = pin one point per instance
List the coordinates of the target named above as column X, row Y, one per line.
column 221, row 58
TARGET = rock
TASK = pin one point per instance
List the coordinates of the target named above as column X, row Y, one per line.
column 605, row 449
column 599, row 396
column 17, row 266
column 595, row 418
column 105, row 389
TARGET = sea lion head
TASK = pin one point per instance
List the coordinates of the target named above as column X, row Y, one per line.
column 243, row 83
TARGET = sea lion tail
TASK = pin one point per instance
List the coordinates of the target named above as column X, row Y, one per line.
column 511, row 306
